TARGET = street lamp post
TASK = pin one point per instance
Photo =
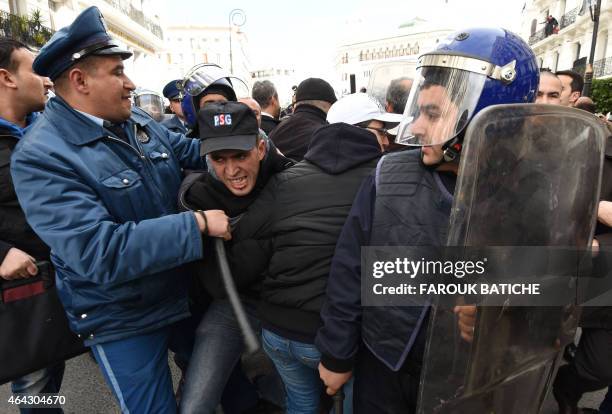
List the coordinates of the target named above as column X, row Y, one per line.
column 588, row 76
column 237, row 17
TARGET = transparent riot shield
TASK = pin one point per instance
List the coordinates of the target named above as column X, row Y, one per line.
column 383, row 74
column 529, row 176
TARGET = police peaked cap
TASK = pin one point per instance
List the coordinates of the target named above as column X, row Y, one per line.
column 86, row 36
column 171, row 90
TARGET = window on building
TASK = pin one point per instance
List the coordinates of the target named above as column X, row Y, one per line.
column 578, row 47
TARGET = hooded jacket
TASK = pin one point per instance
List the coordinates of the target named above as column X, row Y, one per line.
column 295, row 224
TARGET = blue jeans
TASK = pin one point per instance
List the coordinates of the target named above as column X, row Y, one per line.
column 216, row 351
column 297, row 363
column 44, row 381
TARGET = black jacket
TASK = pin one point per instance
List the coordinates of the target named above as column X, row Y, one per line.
column 292, row 135
column 296, row 222
column 268, row 123
column 14, row 229
column 202, row 191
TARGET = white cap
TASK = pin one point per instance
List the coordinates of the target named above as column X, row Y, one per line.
column 359, row 107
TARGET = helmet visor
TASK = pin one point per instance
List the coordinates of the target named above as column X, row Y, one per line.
column 151, row 103
column 441, row 103
column 200, row 77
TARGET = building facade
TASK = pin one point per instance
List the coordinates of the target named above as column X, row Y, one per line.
column 131, row 22
column 187, row 46
column 355, row 61
column 570, row 46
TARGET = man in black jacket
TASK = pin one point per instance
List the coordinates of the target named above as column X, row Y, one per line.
column 314, row 96
column 22, row 94
column 240, row 163
column 266, row 96
column 293, row 228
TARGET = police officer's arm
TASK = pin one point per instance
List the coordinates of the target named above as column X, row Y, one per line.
column 339, row 337
column 69, row 217
column 187, row 150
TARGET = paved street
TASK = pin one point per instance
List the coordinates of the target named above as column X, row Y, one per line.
column 83, row 387
column 86, row 392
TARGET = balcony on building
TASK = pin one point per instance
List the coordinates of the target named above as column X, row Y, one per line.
column 27, row 29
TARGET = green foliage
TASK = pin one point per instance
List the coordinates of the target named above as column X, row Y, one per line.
column 601, row 92
column 28, row 29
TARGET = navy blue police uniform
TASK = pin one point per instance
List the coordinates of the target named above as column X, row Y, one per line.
column 105, row 202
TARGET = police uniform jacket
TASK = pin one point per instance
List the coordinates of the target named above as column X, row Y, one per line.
column 107, row 208
column 174, row 124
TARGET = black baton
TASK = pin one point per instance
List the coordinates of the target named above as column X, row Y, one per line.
column 338, row 398
column 230, row 288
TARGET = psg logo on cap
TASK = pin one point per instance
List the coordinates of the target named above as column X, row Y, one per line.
column 223, row 120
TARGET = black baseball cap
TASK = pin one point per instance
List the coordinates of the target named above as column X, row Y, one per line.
column 227, row 126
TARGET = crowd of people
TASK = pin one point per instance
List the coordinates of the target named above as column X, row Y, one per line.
column 128, row 206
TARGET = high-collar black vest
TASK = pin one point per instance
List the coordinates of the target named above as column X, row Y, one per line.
column 412, row 209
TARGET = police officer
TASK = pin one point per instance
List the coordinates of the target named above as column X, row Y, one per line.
column 98, row 182
column 175, row 123
column 408, row 202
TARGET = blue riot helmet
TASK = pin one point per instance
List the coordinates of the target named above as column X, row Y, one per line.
column 205, row 79
column 470, row 70
column 189, row 111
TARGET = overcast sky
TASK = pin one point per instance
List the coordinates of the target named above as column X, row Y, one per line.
column 306, row 33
